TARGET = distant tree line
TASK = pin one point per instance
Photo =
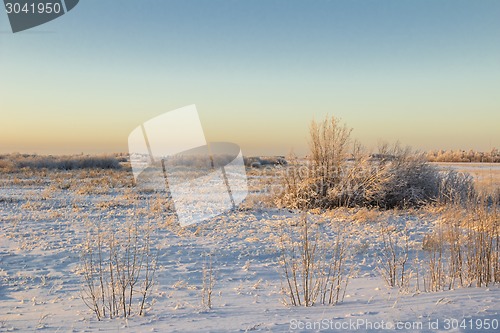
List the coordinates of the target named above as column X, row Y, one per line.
column 16, row 161
column 492, row 156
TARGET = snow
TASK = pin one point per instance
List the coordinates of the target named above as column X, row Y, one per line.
column 43, row 227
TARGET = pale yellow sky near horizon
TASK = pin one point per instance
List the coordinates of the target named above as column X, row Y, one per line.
column 424, row 73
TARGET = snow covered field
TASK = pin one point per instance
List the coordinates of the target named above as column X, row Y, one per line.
column 46, row 216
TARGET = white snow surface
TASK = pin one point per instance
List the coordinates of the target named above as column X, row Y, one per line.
column 41, row 233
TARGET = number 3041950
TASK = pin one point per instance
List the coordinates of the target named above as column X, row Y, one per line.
column 472, row 324
column 39, row 8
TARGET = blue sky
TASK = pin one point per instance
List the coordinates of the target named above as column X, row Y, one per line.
column 426, row 73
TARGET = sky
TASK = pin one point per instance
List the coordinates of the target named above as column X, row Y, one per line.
column 425, row 73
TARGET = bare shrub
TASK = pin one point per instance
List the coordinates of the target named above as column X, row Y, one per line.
column 118, row 266
column 434, row 262
column 314, row 268
column 208, row 282
column 393, row 260
column 464, row 248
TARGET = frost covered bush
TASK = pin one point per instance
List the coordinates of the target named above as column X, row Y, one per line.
column 409, row 180
column 339, row 173
column 456, row 187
